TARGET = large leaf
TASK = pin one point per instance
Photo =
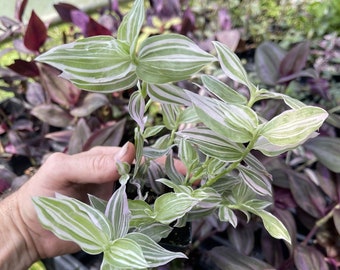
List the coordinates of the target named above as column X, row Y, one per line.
column 117, row 211
column 213, row 144
column 222, row 90
column 268, row 57
column 131, row 25
column 293, row 126
column 231, row 64
column 75, row 221
column 327, row 150
column 154, row 254
column 96, row 64
column 170, row 58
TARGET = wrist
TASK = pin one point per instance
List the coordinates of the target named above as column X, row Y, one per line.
column 17, row 250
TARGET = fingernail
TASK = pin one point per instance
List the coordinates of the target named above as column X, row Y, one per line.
column 122, row 151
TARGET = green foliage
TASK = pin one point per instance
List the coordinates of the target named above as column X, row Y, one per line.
column 216, row 149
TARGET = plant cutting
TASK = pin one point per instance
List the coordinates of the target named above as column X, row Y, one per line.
column 214, row 135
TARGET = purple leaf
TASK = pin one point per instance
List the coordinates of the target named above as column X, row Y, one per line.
column 188, row 22
column 3, row 185
column 22, row 125
column 60, row 90
column 24, row 68
column 242, row 238
column 224, row 19
column 309, row 258
column 268, row 57
column 336, row 219
column 91, row 102
column 35, row 94
column 60, row 136
column 107, row 136
column 36, row 33
column 64, row 10
column 79, row 137
column 295, row 60
column 20, row 7
column 52, row 114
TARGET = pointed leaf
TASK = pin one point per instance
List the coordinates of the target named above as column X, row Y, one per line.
column 309, row 258
column 137, row 109
column 36, row 33
column 156, row 231
column 91, row 102
column 75, row 221
column 227, row 215
column 124, row 253
column 231, row 64
column 154, row 254
column 170, row 58
column 293, row 126
column 255, row 180
column 80, row 135
column 96, row 64
column 222, row 90
column 171, row 206
column 117, row 211
column 168, row 94
column 52, row 114
column 213, row 144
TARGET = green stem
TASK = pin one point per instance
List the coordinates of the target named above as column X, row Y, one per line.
column 233, row 165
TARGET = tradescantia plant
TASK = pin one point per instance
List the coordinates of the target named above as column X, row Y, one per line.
column 213, row 136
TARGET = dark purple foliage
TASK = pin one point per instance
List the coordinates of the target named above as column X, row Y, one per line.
column 20, row 6
column 36, row 33
column 25, row 68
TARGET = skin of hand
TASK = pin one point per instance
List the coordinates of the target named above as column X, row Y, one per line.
column 23, row 239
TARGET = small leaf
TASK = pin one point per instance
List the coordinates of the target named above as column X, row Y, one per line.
column 36, row 33
column 223, row 91
column 140, row 213
column 131, row 25
column 213, row 144
column 154, row 254
column 137, row 108
column 231, row 64
column 170, row 58
column 180, row 204
column 156, row 231
column 170, row 115
column 152, row 131
column 171, row 170
column 336, row 219
column 117, row 211
column 327, row 150
column 308, row 258
column 168, row 94
column 25, row 68
column 75, row 221
column 293, row 126
column 80, row 135
column 227, row 215
column 124, row 253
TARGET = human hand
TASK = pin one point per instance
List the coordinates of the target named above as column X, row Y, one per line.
column 91, row 172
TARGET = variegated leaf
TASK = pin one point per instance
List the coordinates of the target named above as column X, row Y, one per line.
column 137, row 108
column 227, row 215
column 154, row 254
column 97, row 203
column 96, row 64
column 236, row 122
column 170, row 58
column 291, row 102
column 293, row 126
column 231, row 64
column 117, row 210
column 131, row 25
column 72, row 220
column 213, row 144
column 257, row 181
column 170, row 115
column 187, row 154
column 155, row 230
column 168, row 94
column 222, row 90
column 140, row 213
column 124, row 253
column 171, row 206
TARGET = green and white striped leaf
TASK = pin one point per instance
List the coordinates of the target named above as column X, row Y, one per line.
column 227, row 215
column 97, row 203
column 72, row 220
column 124, row 253
column 172, row 206
column 117, row 210
column 291, row 102
column 137, row 109
column 231, row 64
column 236, row 122
column 172, row 172
column 168, row 94
column 98, row 63
column 152, row 131
column 154, row 254
column 170, row 115
column 223, row 91
column 188, row 115
column 170, row 58
column 293, row 126
column 255, row 180
column 140, row 213
column 131, row 25
column 187, row 154
column 209, row 198
column 156, row 231
column 213, row 144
